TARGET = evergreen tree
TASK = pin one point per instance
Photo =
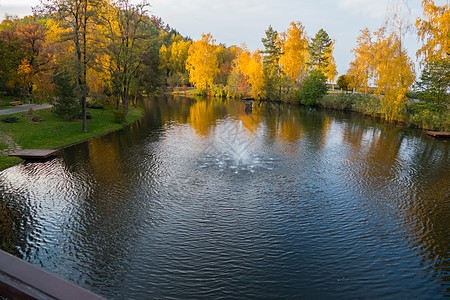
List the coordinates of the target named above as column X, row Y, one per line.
column 66, row 106
column 435, row 82
column 271, row 57
column 319, row 49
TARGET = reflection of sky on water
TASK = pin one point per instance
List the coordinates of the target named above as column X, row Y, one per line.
column 166, row 208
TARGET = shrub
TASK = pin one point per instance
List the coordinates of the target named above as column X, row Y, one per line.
column 36, row 119
column 337, row 101
column 120, row 115
column 367, row 104
column 429, row 116
column 94, row 105
column 314, row 87
column 200, row 92
column 88, row 115
column 10, row 119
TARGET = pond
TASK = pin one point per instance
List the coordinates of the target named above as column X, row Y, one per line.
column 210, row 199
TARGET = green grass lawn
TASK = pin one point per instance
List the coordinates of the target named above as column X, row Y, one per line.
column 5, row 100
column 3, row 145
column 53, row 133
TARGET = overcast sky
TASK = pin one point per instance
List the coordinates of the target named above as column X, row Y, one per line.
column 234, row 22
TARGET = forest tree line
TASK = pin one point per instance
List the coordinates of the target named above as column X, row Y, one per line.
column 115, row 50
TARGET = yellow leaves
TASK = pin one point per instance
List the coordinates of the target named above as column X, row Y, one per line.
column 330, row 69
column 394, row 74
column 179, row 54
column 294, row 51
column 381, row 59
column 250, row 64
column 434, row 31
column 362, row 67
column 202, row 62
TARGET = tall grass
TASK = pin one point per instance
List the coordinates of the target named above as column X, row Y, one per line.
column 420, row 115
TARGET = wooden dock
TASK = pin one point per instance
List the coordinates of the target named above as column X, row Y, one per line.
column 439, row 134
column 34, row 153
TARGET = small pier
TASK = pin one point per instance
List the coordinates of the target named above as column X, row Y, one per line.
column 439, row 134
column 34, row 153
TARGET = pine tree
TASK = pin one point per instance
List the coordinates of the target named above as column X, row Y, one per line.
column 271, row 58
column 318, row 50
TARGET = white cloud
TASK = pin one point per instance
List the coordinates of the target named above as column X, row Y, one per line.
column 372, row 8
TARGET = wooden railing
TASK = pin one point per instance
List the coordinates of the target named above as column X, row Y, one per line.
column 22, row 280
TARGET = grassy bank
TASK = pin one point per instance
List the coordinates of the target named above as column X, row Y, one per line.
column 53, row 133
column 418, row 115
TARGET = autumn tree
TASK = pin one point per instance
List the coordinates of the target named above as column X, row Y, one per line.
column 75, row 17
column 225, row 57
column 33, row 53
column 434, row 31
column 126, row 42
column 344, row 82
column 251, row 66
column 202, row 62
column 330, row 70
column 294, row 56
column 363, row 66
column 32, row 38
column 172, row 58
column 394, row 73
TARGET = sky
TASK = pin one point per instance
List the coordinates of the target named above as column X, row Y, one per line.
column 234, row 22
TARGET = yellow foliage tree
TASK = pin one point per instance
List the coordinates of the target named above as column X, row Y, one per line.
column 294, row 51
column 251, row 65
column 394, row 74
column 179, row 54
column 330, row 69
column 202, row 62
column 363, row 66
column 434, row 31
column 173, row 59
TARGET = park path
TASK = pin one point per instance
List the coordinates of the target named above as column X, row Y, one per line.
column 6, row 139
column 24, row 108
column 11, row 145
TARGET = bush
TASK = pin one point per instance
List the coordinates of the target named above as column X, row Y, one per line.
column 88, row 115
column 10, row 119
column 429, row 116
column 120, row 115
column 36, row 119
column 367, row 104
column 218, row 92
column 94, row 105
column 337, row 101
column 200, row 92
column 314, row 87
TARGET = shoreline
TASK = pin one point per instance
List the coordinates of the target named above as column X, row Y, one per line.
column 100, row 126
column 322, row 104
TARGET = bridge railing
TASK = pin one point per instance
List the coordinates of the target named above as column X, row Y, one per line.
column 22, row 280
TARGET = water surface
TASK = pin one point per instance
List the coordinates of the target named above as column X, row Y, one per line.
column 203, row 199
